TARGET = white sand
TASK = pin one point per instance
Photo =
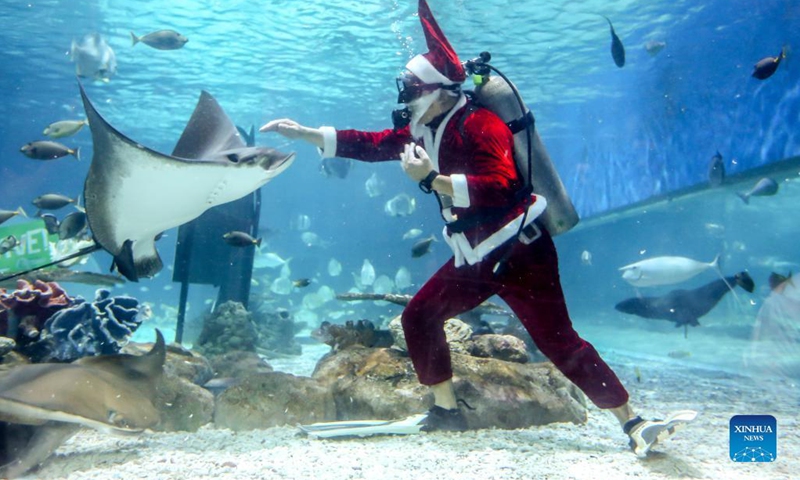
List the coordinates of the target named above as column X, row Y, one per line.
column 596, row 450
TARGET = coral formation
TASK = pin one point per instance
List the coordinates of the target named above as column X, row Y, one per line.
column 85, row 329
column 230, row 327
column 23, row 311
column 6, row 346
column 501, row 347
column 276, row 331
column 362, row 332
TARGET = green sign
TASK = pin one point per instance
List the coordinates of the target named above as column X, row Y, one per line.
column 33, row 249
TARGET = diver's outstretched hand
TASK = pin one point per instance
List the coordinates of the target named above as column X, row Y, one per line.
column 291, row 129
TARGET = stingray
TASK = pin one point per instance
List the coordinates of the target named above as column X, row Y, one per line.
column 133, row 194
column 43, row 405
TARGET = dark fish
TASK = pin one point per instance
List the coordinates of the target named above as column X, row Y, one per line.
column 764, row 188
column 8, row 243
column 161, row 40
column 53, row 201
column 6, row 215
column 335, row 167
column 240, row 239
column 72, row 225
column 302, row 282
column 685, row 307
column 765, row 67
column 777, row 281
column 47, row 150
column 716, row 170
column 654, row 47
column 617, row 49
column 51, row 223
column 422, row 247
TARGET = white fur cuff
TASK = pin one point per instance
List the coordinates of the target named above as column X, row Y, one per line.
column 328, row 149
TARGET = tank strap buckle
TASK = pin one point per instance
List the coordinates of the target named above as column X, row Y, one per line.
column 530, row 234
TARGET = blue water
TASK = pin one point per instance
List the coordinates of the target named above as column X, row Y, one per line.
column 617, row 136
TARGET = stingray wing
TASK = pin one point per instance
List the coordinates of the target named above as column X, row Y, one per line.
column 35, row 394
column 109, row 392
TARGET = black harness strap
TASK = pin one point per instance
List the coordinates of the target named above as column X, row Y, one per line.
column 519, row 124
column 524, row 194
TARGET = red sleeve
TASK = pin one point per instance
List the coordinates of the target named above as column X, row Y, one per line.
column 492, row 180
column 372, row 146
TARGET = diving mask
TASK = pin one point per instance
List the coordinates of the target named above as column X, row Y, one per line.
column 418, row 97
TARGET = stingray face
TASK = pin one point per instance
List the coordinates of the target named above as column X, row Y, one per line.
column 268, row 158
column 276, row 161
column 632, row 274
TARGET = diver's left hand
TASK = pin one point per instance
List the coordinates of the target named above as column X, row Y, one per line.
column 416, row 162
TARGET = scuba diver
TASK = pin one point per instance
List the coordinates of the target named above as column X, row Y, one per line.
column 465, row 154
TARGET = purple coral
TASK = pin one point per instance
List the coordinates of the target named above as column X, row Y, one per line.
column 84, row 329
column 24, row 311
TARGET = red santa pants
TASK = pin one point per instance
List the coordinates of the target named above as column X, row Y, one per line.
column 531, row 286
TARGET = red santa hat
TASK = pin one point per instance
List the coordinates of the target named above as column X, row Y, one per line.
column 440, row 64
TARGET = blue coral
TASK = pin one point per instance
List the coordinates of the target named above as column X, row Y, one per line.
column 85, row 329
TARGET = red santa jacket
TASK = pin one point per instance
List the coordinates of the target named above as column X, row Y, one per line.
column 476, row 152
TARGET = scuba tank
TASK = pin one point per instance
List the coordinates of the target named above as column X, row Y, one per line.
column 498, row 94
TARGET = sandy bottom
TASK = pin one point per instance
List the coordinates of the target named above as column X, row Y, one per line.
column 596, row 450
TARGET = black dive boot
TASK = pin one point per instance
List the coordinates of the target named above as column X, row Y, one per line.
column 447, row 420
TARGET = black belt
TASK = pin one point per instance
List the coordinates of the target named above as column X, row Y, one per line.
column 487, row 215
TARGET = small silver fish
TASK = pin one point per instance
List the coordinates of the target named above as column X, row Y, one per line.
column 8, row 243
column 161, row 40
column 335, row 167
column 373, row 186
column 300, row 222
column 6, row 215
column 240, row 239
column 411, row 234
column 654, row 47
column 400, row 205
column 64, row 128
column 679, row 354
column 93, row 58
column 47, row 150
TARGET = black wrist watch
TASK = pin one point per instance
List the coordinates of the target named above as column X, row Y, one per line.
column 426, row 184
